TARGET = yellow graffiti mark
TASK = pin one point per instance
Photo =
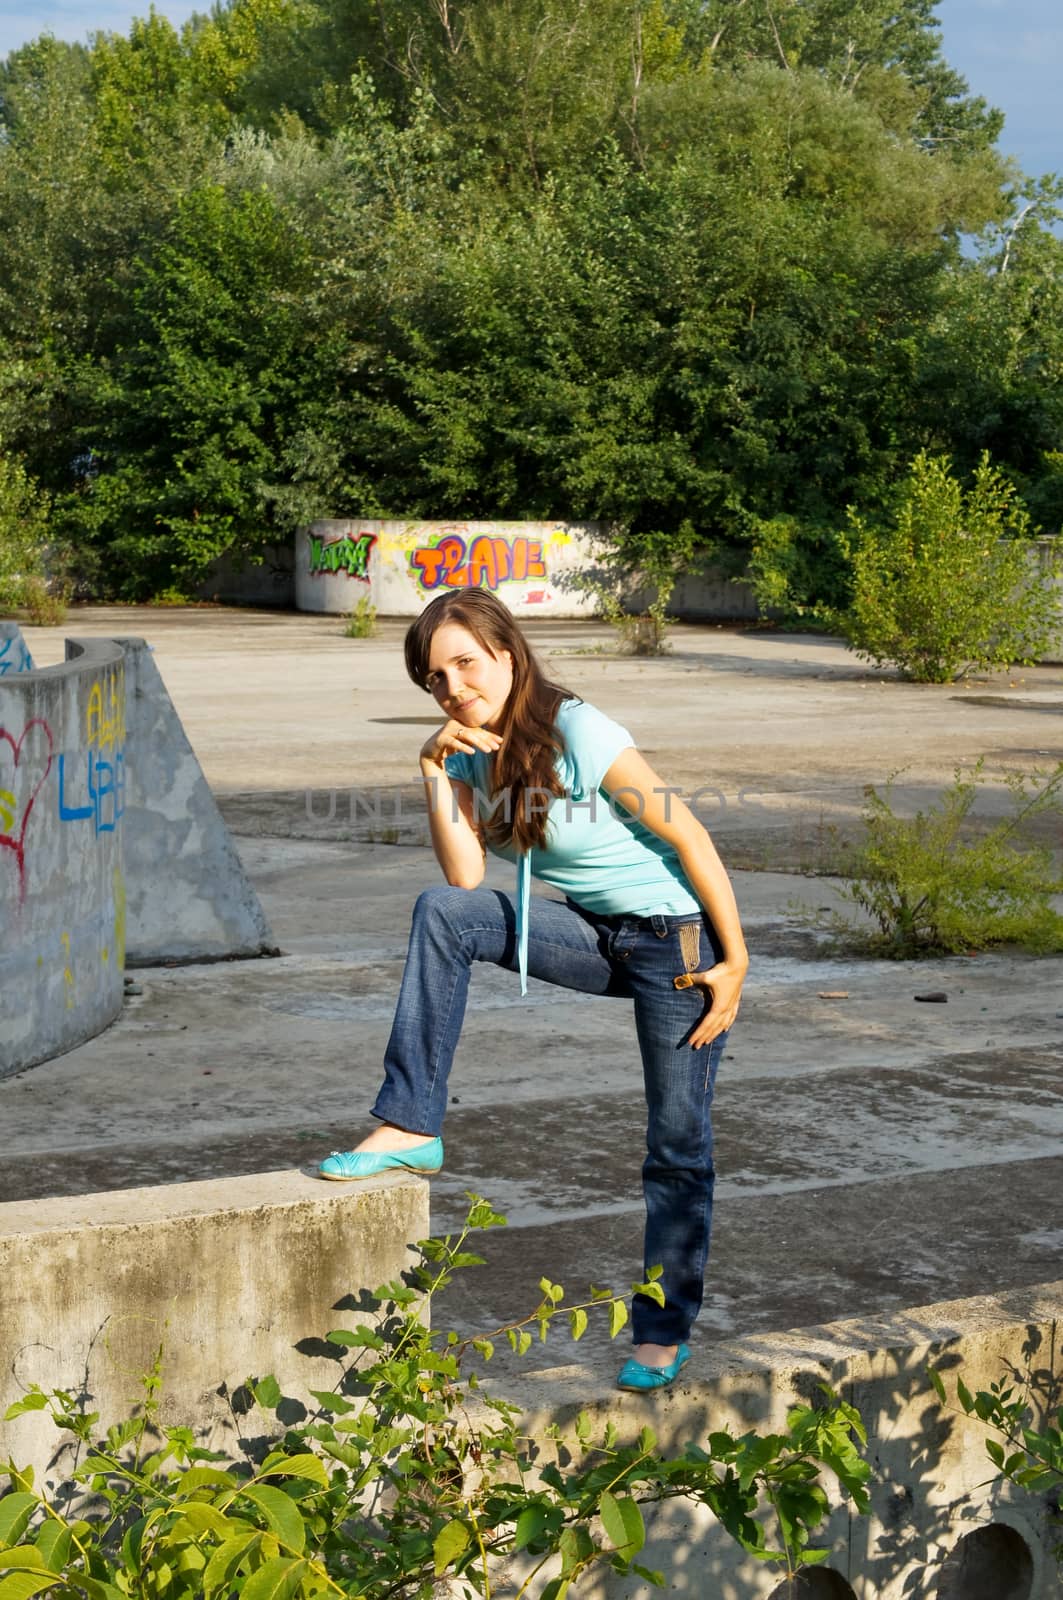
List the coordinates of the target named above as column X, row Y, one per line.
column 119, row 916
column 105, row 955
column 7, row 808
column 68, row 976
column 105, row 714
column 558, row 537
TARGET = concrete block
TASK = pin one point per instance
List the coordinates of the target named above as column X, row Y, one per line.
column 188, row 896
column 232, row 1277
column 933, row 1487
column 62, row 892
column 227, row 1277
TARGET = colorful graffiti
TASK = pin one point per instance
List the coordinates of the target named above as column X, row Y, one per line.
column 13, row 820
column 346, row 555
column 487, row 561
column 100, row 794
column 14, row 657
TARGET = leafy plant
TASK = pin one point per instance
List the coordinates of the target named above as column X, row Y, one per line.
column 796, row 571
column 23, row 536
column 952, row 583
column 361, row 622
column 45, row 604
column 639, row 633
column 1030, row 1457
column 408, row 1472
column 929, row 890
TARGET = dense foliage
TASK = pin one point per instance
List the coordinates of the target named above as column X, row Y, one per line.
column 690, row 267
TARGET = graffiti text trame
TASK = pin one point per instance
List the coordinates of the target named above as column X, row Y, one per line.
column 491, row 560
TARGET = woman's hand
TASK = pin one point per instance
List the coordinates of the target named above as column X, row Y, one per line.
column 457, row 738
column 722, row 992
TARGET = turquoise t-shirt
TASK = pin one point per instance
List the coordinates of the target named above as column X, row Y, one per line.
column 597, row 852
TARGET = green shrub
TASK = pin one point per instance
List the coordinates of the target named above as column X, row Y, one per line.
column 405, row 1474
column 23, row 536
column 45, row 604
column 952, row 582
column 361, row 622
column 798, row 571
column 929, row 891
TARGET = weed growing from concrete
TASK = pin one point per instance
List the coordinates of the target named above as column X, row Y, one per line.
column 930, row 891
column 361, row 622
column 407, row 1474
column 45, row 602
column 1025, row 1443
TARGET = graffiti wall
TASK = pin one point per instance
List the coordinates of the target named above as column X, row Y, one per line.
column 112, row 848
column 534, row 567
column 62, row 892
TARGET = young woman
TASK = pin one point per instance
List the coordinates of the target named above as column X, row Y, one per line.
column 536, row 775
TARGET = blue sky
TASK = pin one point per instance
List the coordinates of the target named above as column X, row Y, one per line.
column 1010, row 51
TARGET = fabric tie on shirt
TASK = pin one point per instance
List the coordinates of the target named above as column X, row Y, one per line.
column 523, row 896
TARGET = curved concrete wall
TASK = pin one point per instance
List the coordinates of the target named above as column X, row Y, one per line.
column 401, row 566
column 62, row 892
column 535, row 567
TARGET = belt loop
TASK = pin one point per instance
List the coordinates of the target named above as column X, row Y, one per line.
column 660, row 925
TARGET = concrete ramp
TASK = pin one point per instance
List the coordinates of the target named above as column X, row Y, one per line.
column 14, row 652
column 188, row 897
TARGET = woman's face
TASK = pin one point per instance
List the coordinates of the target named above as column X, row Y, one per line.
column 469, row 683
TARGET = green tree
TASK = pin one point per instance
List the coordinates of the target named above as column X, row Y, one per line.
column 182, row 425
column 690, row 269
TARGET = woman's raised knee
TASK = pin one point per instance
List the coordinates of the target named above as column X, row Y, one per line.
column 444, row 902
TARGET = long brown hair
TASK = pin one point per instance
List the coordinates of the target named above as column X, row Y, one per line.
column 531, row 741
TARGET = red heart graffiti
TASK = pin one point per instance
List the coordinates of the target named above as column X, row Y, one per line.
column 17, row 842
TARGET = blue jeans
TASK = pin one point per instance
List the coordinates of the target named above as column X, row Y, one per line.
column 633, row 957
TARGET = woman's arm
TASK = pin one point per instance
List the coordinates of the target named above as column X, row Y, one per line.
column 457, row 835
column 635, row 785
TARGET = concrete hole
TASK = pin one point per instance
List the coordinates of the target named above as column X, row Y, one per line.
column 991, row 1563
column 815, row 1583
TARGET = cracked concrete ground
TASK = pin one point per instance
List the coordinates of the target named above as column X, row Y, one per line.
column 875, row 1151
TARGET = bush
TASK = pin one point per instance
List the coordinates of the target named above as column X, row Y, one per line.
column 797, row 571
column 44, row 604
column 23, row 535
column 931, row 892
column 951, row 583
column 361, row 622
column 407, row 1473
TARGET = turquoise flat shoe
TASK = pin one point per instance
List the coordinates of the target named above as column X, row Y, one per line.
column 343, row 1165
column 633, row 1375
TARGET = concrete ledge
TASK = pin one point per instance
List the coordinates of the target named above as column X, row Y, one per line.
column 228, row 1277
column 932, row 1482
